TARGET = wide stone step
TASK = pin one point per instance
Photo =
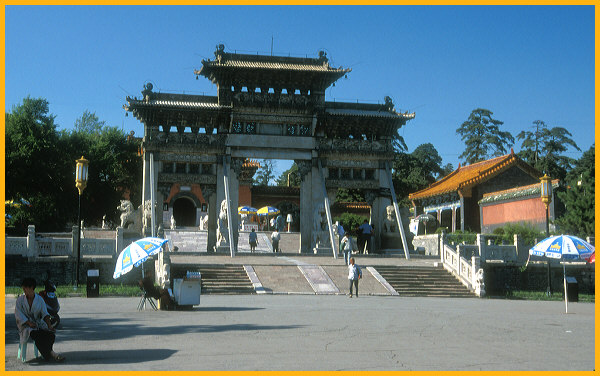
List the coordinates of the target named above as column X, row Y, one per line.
column 218, row 279
column 423, row 281
column 428, row 295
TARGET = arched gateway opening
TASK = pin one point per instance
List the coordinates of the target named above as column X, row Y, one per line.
column 184, row 212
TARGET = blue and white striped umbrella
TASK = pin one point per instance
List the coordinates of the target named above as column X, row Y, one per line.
column 136, row 253
column 247, row 210
column 563, row 247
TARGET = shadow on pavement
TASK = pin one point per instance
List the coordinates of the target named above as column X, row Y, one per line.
column 99, row 329
column 224, row 309
column 108, row 357
column 86, row 329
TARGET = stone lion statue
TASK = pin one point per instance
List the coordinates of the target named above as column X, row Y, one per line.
column 389, row 223
column 147, row 218
column 479, row 282
column 204, row 223
column 320, row 235
column 222, row 226
column 130, row 218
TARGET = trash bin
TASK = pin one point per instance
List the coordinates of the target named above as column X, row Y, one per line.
column 572, row 290
column 93, row 283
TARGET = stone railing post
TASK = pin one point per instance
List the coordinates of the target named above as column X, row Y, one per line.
column 118, row 241
column 517, row 243
column 458, row 266
column 74, row 240
column 477, row 276
column 32, row 250
column 480, row 245
column 442, row 248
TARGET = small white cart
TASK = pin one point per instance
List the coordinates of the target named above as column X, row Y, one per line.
column 186, row 291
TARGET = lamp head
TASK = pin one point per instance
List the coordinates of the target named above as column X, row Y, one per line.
column 81, row 174
column 546, row 189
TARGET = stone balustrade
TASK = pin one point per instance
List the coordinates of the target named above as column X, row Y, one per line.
column 35, row 245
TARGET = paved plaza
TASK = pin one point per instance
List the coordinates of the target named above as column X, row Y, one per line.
column 317, row 332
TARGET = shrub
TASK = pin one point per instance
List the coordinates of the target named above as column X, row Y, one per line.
column 526, row 232
column 459, row 236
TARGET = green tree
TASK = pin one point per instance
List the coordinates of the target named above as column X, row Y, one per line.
column 526, row 231
column 543, row 149
column 349, row 195
column 447, row 169
column 292, row 174
column 429, row 160
column 114, row 166
column 266, row 173
column 350, row 222
column 89, row 123
column 40, row 168
column 579, row 197
column 415, row 171
column 532, row 142
column 483, row 137
column 35, row 167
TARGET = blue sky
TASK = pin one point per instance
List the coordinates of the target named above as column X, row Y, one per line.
column 524, row 63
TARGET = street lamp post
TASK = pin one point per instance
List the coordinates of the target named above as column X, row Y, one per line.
column 546, row 196
column 81, row 177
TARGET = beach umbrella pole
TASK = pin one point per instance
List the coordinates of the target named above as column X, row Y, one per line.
column 565, row 284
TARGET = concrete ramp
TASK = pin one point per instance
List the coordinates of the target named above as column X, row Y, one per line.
column 318, row 279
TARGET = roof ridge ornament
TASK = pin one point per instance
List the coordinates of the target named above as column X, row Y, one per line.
column 389, row 104
column 147, row 92
column 219, row 51
column 323, row 57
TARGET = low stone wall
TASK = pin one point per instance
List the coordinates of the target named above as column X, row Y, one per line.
column 62, row 270
column 501, row 279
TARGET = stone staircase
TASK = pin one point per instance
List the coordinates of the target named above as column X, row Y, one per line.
column 192, row 240
column 423, row 281
column 219, row 279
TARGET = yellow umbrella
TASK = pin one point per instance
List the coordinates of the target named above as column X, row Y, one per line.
column 268, row 210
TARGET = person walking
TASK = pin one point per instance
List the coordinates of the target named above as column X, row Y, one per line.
column 275, row 237
column 365, row 231
column 340, row 232
column 253, row 240
column 354, row 274
column 346, row 246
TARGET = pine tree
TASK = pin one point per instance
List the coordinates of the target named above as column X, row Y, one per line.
column 483, row 137
column 265, row 173
column 543, row 149
column 579, row 198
